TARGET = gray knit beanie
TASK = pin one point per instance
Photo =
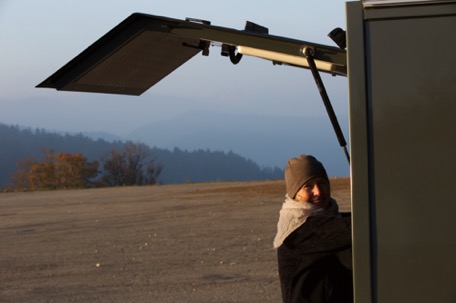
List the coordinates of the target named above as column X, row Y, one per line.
column 301, row 169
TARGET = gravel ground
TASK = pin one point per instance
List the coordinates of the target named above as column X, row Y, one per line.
column 202, row 242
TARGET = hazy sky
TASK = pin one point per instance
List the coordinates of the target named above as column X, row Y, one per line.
column 39, row 37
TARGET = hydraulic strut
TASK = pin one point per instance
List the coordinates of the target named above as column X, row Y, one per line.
column 309, row 53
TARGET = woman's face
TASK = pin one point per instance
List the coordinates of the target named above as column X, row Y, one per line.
column 316, row 191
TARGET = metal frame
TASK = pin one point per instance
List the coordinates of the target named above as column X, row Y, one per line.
column 195, row 34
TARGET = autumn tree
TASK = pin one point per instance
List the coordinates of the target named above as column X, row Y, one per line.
column 74, row 171
column 42, row 174
column 134, row 165
column 55, row 171
column 20, row 179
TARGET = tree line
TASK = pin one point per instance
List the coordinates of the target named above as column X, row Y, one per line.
column 130, row 166
column 20, row 145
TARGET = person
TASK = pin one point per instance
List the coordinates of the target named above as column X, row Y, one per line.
column 313, row 239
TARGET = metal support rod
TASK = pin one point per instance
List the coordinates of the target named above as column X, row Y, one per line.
column 309, row 53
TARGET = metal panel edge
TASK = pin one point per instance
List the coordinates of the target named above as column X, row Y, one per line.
column 359, row 154
column 410, row 11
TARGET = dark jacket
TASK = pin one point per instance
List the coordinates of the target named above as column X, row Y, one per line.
column 315, row 262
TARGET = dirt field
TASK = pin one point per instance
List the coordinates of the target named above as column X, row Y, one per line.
column 208, row 242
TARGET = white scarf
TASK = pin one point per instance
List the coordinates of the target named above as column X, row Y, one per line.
column 293, row 214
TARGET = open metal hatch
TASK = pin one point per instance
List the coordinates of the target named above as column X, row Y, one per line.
column 143, row 49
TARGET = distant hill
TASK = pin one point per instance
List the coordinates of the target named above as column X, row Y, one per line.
column 179, row 165
column 267, row 140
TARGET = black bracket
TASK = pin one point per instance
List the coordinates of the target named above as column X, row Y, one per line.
column 309, row 53
column 230, row 51
column 203, row 45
